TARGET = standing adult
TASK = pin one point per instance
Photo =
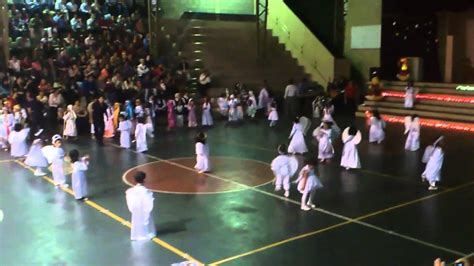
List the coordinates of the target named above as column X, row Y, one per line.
column 291, row 100
column 35, row 114
column 140, row 204
column 55, row 100
column 99, row 109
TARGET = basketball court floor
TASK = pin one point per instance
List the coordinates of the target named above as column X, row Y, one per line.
column 381, row 214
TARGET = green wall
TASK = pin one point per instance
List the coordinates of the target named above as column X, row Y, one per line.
column 362, row 13
column 299, row 40
column 175, row 8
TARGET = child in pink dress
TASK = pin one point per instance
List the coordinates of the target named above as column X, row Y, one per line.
column 192, row 121
column 171, row 115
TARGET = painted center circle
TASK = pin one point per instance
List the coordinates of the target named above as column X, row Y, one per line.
column 178, row 176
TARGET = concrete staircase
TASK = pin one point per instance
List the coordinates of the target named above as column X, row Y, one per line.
column 228, row 50
column 434, row 101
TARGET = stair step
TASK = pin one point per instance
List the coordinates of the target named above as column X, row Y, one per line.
column 421, row 107
column 431, row 102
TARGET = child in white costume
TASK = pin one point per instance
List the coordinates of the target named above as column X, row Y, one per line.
column 412, row 129
column 78, row 177
column 70, row 117
column 376, row 131
column 125, row 128
column 432, row 171
column 35, row 157
column 206, row 113
column 233, row 110
column 223, row 106
column 410, row 95
column 284, row 167
column 202, row 154
column 140, row 135
column 251, row 105
column 273, row 114
column 140, row 204
column 297, row 143
column 7, row 120
column 325, row 147
column 350, row 157
column 55, row 156
column 17, row 140
column 308, row 183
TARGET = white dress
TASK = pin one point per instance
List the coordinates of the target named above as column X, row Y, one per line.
column 35, row 157
column 70, row 127
column 273, row 115
column 206, row 115
column 433, row 168
column 57, row 167
column 125, row 128
column 282, row 169
column 311, row 183
column 202, row 157
column 350, row 156
column 410, row 96
column 6, row 122
column 413, row 138
column 263, row 99
column 140, row 204
column 252, row 108
column 297, row 143
column 223, row 106
column 376, row 132
column 325, row 148
column 18, row 145
column 140, row 137
column 233, row 112
column 79, row 181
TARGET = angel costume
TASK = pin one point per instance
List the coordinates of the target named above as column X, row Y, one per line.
column 410, row 96
column 70, row 117
column 125, row 128
column 35, row 158
column 263, row 99
column 202, row 157
column 350, row 156
column 282, row 168
column 297, row 143
column 433, row 168
column 325, row 148
column 251, row 105
column 140, row 204
column 140, row 137
column 223, row 106
column 78, row 177
column 56, row 158
column 412, row 129
column 192, row 120
column 109, row 130
column 18, row 145
column 206, row 114
column 376, row 131
column 6, row 123
column 273, row 116
column 150, row 129
column 171, row 115
column 233, row 112
column 308, row 183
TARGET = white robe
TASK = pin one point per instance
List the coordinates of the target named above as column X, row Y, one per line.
column 35, row 157
column 281, row 168
column 252, row 108
column 78, row 177
column 350, row 156
column 140, row 204
column 140, row 137
column 202, row 157
column 70, row 127
column 273, row 115
column 125, row 127
column 18, row 145
column 413, row 138
column 410, row 95
column 263, row 98
column 206, row 115
column 376, row 132
column 223, row 106
column 6, row 122
column 297, row 143
column 433, row 168
column 325, row 148
column 233, row 111
column 312, row 182
column 57, row 167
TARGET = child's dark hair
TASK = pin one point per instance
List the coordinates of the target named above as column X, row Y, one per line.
column 122, row 116
column 18, row 127
column 141, row 120
column 74, row 155
column 311, row 161
column 353, row 131
column 376, row 114
column 297, row 120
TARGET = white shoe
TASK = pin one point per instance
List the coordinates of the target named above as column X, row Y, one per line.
column 277, row 188
column 310, row 205
column 347, row 168
column 64, row 185
column 432, row 188
column 305, row 208
column 39, row 173
column 287, row 194
column 39, row 132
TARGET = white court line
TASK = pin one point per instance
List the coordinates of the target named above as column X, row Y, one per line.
column 316, row 209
